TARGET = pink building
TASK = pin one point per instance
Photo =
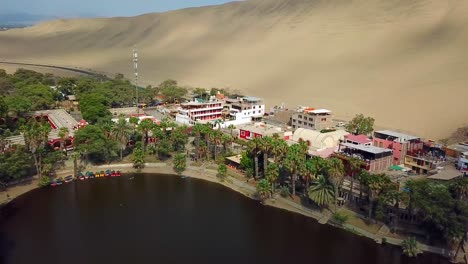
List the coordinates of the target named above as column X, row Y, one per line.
column 357, row 140
column 401, row 144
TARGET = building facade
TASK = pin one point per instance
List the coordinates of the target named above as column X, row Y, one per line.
column 374, row 159
column 315, row 119
column 254, row 130
column 199, row 111
column 401, row 144
column 251, row 108
column 463, row 163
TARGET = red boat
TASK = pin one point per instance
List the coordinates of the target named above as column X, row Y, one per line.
column 117, row 173
column 113, row 174
column 81, row 177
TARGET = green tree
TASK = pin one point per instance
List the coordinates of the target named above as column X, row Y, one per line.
column 145, row 126
column 64, row 134
column 93, row 107
column 335, row 175
column 36, row 136
column 180, row 163
column 19, row 104
column 3, row 108
column 279, row 149
column 354, row 167
column 361, row 125
column 16, row 164
column 40, row 96
column 222, row 171
column 322, row 192
column 138, row 157
column 443, row 215
column 263, row 189
column 95, row 145
column 246, row 162
column 266, row 146
column 171, row 91
column 179, row 137
column 311, row 169
column 75, row 156
column 272, row 175
column 254, row 148
column 294, row 162
column 231, row 128
column 410, row 247
column 121, row 131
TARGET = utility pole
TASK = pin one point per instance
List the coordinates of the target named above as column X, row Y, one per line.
column 135, row 67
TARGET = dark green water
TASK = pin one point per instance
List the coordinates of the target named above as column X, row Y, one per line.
column 166, row 219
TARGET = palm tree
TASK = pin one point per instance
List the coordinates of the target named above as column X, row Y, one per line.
column 216, row 139
column 272, row 175
column 336, row 173
column 295, row 163
column 75, row 156
column 36, row 136
column 279, row 149
column 180, row 163
column 322, row 192
column 375, row 184
column 311, row 169
column 354, row 165
column 63, row 133
column 231, row 127
column 120, row 132
column 134, row 122
column 263, row 189
column 410, row 247
column 226, row 140
column 266, row 145
column 253, row 147
column 145, row 126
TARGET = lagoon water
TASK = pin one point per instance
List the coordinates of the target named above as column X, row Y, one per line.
column 167, row 219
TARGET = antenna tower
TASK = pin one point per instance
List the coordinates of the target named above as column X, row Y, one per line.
column 135, row 67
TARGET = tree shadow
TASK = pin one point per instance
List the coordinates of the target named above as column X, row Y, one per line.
column 6, row 247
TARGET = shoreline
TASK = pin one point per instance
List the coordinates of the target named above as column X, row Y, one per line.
column 233, row 184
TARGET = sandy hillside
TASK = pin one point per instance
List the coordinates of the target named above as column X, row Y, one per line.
column 403, row 62
column 11, row 68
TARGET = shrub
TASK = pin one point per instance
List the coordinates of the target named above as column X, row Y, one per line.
column 410, row 247
column 222, row 172
column 340, row 218
column 45, row 181
column 284, row 192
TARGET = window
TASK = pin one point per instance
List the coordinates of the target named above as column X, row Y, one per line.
column 311, row 119
column 299, row 116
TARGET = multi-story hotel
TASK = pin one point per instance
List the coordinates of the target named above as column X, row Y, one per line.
column 199, row 111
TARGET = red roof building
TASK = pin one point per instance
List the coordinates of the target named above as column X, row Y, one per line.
column 358, row 139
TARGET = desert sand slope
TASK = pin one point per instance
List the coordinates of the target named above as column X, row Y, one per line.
column 405, row 62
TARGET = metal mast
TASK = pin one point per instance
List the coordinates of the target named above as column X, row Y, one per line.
column 135, row 67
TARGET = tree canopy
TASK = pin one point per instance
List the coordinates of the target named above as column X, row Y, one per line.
column 361, row 125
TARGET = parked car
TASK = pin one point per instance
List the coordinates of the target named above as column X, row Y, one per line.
column 69, row 178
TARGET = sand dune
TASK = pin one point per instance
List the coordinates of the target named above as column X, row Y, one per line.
column 402, row 61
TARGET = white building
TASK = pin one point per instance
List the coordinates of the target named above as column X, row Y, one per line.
column 250, row 108
column 463, row 162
